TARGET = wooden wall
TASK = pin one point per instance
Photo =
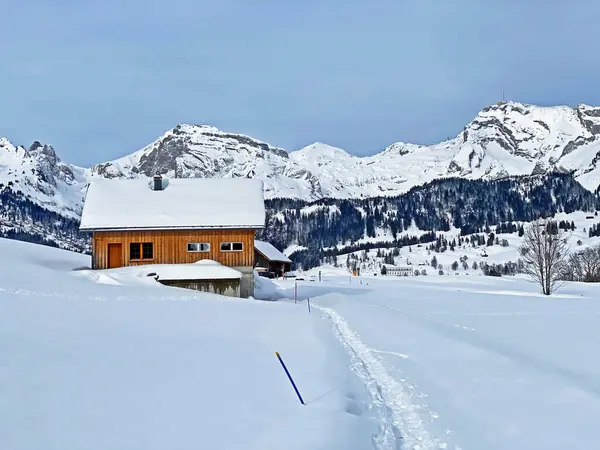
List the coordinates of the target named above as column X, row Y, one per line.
column 170, row 247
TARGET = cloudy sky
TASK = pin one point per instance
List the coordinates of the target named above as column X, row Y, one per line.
column 100, row 79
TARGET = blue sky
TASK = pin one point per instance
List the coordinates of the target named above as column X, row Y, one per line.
column 100, row 79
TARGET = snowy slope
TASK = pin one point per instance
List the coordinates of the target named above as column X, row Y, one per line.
column 126, row 363
column 42, row 177
column 420, row 256
column 95, row 361
column 470, row 362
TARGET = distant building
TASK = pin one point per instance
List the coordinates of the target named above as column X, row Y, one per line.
column 398, row 271
column 267, row 256
column 177, row 221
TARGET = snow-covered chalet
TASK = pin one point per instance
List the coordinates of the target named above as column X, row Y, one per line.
column 208, row 221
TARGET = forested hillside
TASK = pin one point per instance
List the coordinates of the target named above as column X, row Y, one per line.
column 331, row 226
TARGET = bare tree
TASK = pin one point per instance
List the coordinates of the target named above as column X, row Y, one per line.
column 584, row 266
column 545, row 251
column 590, row 264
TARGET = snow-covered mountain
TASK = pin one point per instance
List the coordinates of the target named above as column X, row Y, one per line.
column 40, row 176
column 502, row 140
column 204, row 151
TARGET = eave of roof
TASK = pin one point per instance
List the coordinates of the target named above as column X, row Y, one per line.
column 224, row 227
column 273, row 260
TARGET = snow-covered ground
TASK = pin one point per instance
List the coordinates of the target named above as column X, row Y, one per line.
column 471, row 362
column 420, row 257
column 103, row 360
column 127, row 363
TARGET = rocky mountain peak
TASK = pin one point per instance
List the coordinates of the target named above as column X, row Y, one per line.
column 501, row 140
column 35, row 146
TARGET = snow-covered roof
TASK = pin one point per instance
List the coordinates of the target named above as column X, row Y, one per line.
column 189, row 203
column 205, row 269
column 270, row 252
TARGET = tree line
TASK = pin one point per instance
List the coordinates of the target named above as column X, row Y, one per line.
column 470, row 206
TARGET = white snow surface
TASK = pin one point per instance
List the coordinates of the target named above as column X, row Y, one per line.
column 265, row 289
column 293, row 248
column 469, row 362
column 270, row 251
column 204, row 269
column 123, row 363
column 183, row 203
column 114, row 360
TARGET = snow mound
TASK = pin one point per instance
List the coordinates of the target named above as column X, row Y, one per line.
column 265, row 289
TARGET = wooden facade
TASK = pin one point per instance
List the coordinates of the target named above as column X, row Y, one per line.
column 113, row 248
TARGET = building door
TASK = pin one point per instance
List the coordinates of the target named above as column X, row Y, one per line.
column 115, row 256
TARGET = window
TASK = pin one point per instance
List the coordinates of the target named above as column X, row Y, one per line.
column 147, row 250
column 232, row 246
column 198, row 247
column 135, row 250
column 141, row 250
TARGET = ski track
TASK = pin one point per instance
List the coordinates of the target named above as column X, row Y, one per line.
column 401, row 426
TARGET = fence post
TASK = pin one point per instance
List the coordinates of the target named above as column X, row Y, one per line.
column 295, row 291
column 290, row 377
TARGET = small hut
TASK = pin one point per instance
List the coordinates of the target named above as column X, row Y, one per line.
column 267, row 256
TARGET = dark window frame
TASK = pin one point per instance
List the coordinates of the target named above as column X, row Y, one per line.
column 231, row 247
column 141, row 251
column 199, row 247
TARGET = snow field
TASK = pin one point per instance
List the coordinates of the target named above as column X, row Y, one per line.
column 474, row 362
column 109, row 360
column 133, row 364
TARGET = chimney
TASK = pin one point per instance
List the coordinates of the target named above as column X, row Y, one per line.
column 158, row 185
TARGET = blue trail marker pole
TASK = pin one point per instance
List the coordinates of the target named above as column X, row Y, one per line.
column 308, row 301
column 290, row 377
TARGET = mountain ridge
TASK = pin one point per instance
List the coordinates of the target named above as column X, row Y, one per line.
column 502, row 140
